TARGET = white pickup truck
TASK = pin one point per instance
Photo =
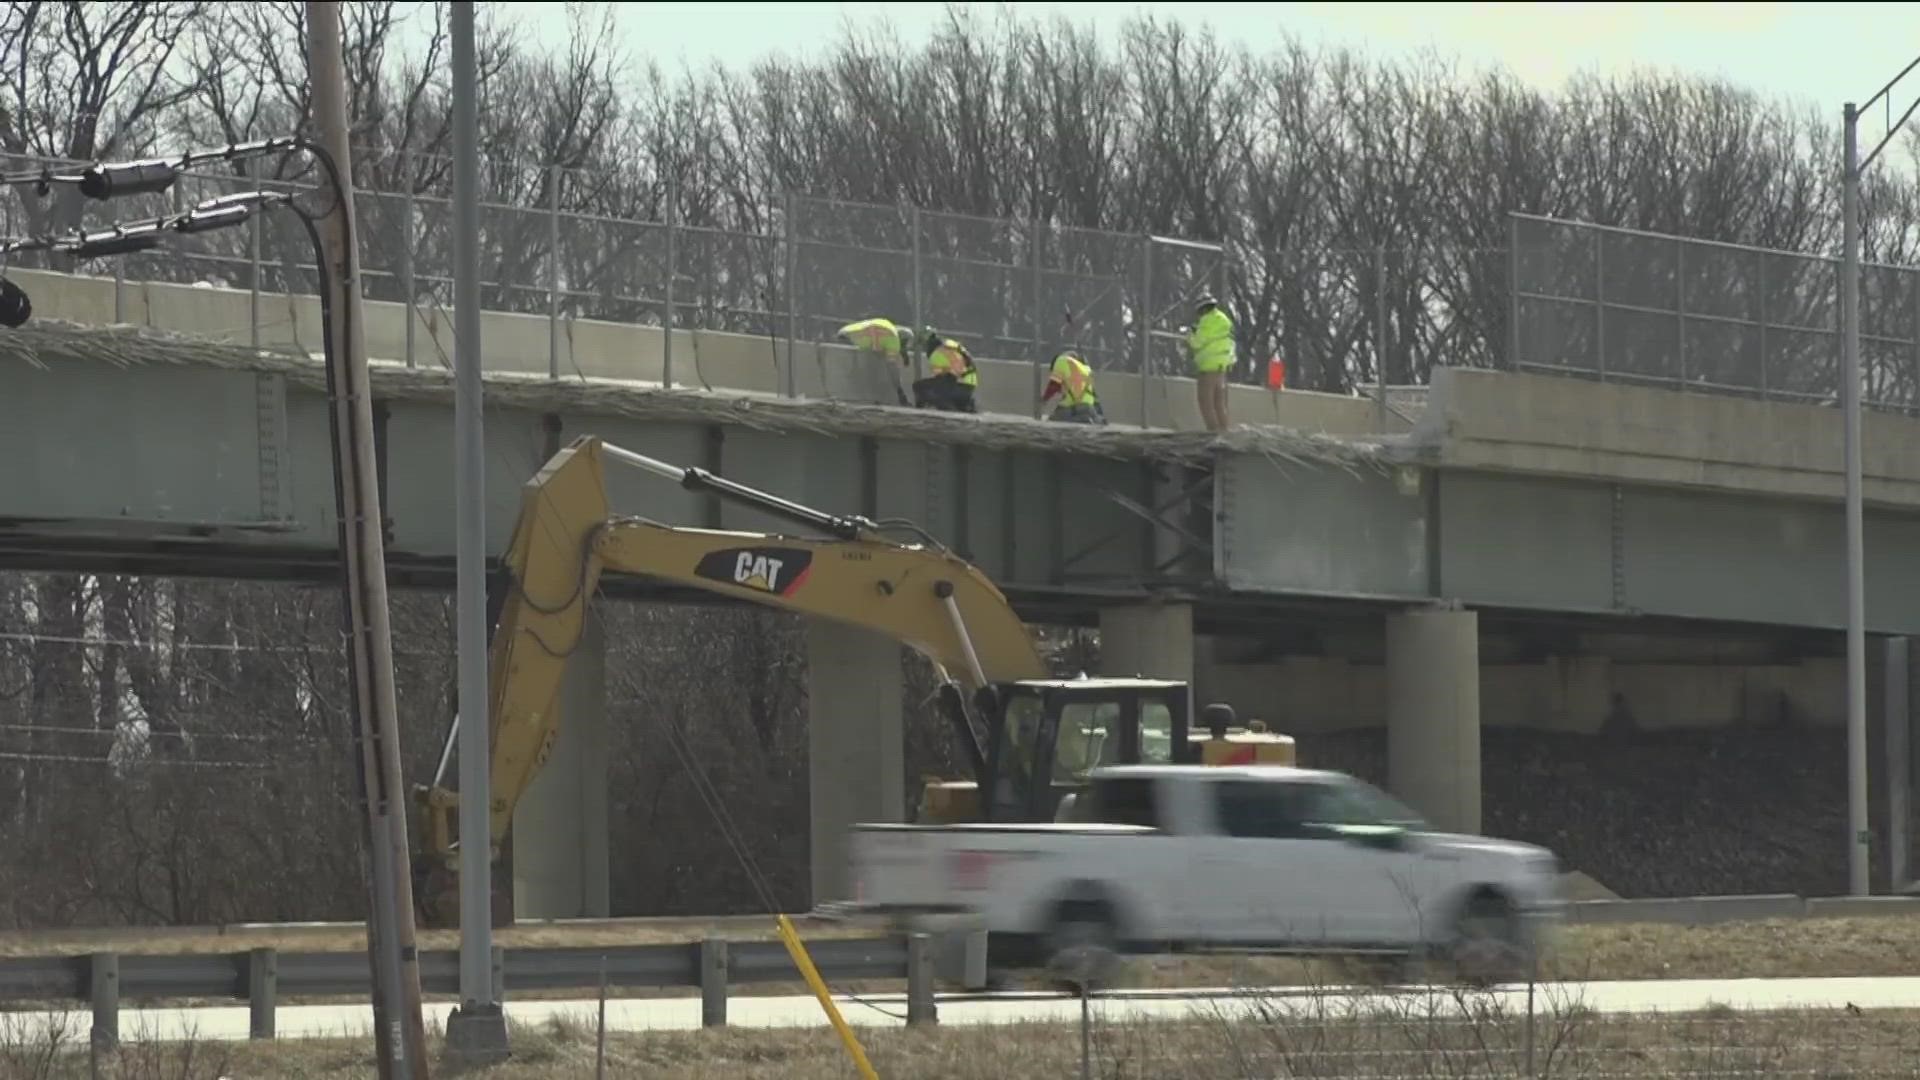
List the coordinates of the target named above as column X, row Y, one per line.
column 1153, row 857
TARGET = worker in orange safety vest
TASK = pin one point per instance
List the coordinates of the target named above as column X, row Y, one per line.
column 954, row 377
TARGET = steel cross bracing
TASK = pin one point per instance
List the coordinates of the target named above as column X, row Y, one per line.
column 1176, row 508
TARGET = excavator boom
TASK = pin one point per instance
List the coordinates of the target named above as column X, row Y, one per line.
column 567, row 537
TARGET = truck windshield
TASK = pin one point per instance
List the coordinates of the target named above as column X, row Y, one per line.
column 1356, row 802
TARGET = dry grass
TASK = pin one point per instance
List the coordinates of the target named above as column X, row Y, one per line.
column 1745, row 950
column 1424, row 1037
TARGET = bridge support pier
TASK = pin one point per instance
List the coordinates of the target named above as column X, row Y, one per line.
column 1148, row 641
column 1433, row 714
column 560, row 849
column 856, row 764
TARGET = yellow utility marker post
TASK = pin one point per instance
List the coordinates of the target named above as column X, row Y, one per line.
column 819, row 987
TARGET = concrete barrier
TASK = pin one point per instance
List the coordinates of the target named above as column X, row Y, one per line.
column 1509, row 421
column 1855, row 907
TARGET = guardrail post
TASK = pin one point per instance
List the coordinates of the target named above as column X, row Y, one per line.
column 713, row 982
column 788, row 384
column 666, row 313
column 1146, row 327
column 254, row 225
column 920, row 1004
column 103, row 987
column 976, row 960
column 1680, row 306
column 1513, row 292
column 1600, row 303
column 1035, row 253
column 1761, row 258
column 1913, row 397
column 554, row 176
column 408, row 238
column 918, row 304
column 1380, row 338
column 263, row 992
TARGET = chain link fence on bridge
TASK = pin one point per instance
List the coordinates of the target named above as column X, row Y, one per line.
column 1614, row 303
column 1009, row 289
column 1563, row 297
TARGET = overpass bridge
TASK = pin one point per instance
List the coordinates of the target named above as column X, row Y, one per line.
column 161, row 448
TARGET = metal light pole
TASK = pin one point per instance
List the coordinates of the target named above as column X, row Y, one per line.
column 477, row 1031
column 1859, row 848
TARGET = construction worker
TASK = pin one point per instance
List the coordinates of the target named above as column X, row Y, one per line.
column 1072, row 380
column 889, row 340
column 1210, row 342
column 883, row 336
column 954, row 377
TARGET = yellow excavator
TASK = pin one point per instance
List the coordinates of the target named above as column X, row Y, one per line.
column 1029, row 740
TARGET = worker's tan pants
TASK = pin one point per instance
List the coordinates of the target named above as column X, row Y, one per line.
column 1212, row 389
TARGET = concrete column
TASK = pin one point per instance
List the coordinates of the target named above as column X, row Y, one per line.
column 1889, row 754
column 856, row 767
column 560, row 851
column 1148, row 641
column 1433, row 715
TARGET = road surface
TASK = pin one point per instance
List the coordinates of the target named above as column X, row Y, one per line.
column 676, row 1014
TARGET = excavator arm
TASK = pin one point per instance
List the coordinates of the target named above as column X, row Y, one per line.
column 566, row 537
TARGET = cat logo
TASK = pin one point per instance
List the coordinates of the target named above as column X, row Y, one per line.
column 780, row 571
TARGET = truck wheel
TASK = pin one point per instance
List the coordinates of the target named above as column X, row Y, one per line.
column 1083, row 946
column 1488, row 946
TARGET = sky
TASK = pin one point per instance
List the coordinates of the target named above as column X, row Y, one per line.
column 1820, row 54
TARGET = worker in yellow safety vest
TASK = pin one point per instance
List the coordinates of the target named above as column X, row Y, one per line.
column 887, row 338
column 1210, row 342
column 954, row 377
column 1072, row 380
column 883, row 336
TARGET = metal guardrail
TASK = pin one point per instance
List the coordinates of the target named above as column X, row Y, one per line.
column 260, row 976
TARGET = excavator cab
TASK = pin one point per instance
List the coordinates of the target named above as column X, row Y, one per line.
column 1051, row 733
column 1045, row 736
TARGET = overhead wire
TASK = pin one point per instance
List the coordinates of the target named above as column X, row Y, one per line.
column 77, row 759
column 234, row 736
column 32, row 637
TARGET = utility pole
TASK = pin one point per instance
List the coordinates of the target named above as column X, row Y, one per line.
column 1859, row 847
column 477, row 1031
column 401, row 1030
